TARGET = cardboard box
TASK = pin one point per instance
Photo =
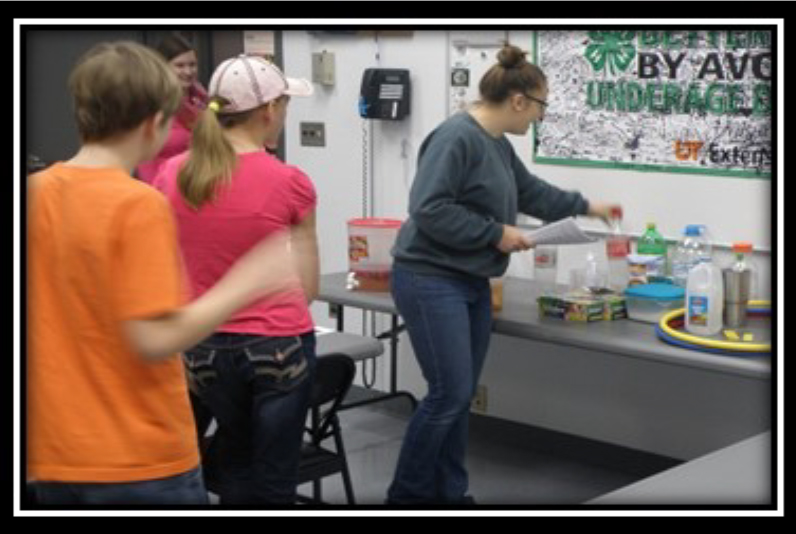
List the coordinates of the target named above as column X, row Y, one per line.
column 583, row 307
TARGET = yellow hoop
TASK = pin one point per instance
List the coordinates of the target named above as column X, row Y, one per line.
column 714, row 343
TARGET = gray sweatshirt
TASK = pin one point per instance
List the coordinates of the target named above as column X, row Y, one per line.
column 468, row 184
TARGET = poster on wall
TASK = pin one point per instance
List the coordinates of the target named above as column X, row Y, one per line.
column 697, row 102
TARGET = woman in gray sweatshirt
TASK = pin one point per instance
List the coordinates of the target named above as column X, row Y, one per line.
column 463, row 208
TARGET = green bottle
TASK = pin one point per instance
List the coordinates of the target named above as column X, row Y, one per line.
column 652, row 243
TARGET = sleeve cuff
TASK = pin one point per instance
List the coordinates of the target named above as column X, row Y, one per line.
column 497, row 234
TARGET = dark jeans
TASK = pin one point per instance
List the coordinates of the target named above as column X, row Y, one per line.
column 449, row 322
column 258, row 390
column 185, row 489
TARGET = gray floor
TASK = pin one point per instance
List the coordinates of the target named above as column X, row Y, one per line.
column 509, row 464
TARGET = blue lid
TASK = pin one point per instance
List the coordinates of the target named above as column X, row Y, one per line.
column 656, row 291
column 693, row 230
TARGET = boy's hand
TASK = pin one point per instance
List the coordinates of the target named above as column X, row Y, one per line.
column 265, row 268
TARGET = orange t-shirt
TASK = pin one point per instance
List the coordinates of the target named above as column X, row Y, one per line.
column 102, row 249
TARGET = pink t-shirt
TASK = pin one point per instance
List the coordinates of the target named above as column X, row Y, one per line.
column 263, row 197
column 178, row 141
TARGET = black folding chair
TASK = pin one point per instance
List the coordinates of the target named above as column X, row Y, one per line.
column 333, row 377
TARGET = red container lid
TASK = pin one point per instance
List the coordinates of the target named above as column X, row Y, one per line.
column 742, row 246
column 375, row 222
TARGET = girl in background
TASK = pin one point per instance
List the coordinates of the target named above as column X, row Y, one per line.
column 181, row 57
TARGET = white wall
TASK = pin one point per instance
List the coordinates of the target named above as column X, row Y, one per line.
column 337, row 169
column 734, row 209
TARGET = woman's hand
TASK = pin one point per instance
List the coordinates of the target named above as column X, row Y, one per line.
column 605, row 211
column 513, row 240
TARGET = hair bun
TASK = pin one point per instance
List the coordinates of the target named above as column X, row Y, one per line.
column 511, row 57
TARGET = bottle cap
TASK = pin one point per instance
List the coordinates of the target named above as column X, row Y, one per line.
column 693, row 230
column 616, row 212
column 744, row 247
column 651, row 226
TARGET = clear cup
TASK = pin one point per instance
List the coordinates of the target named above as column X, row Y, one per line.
column 587, row 279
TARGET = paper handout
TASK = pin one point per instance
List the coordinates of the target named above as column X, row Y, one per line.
column 563, row 232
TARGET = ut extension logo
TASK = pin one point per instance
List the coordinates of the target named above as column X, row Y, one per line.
column 687, row 150
column 746, row 157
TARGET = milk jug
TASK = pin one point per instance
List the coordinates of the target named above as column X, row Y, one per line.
column 704, row 300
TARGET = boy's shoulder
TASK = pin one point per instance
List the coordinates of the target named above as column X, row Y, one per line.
column 112, row 185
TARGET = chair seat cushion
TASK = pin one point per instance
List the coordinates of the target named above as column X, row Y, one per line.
column 356, row 347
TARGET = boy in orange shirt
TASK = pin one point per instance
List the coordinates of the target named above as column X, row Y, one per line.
column 108, row 415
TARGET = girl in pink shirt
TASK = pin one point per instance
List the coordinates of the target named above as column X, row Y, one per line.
column 181, row 57
column 254, row 375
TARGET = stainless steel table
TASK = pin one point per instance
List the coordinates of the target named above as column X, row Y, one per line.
column 737, row 475
column 520, row 318
column 619, row 383
column 333, row 290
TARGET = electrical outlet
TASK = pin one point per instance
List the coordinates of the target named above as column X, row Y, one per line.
column 478, row 404
column 312, row 133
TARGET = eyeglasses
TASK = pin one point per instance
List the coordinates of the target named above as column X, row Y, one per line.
column 541, row 102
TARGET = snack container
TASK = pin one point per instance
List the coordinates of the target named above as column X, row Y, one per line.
column 581, row 307
column 649, row 302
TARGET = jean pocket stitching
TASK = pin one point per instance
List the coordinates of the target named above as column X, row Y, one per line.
column 200, row 365
column 286, row 366
column 278, row 356
column 291, row 372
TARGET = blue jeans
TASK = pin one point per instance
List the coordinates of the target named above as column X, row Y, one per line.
column 258, row 390
column 449, row 321
column 185, row 489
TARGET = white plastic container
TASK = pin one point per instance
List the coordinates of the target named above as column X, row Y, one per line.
column 649, row 302
column 704, row 300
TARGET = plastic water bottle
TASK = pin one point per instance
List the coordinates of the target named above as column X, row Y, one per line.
column 652, row 243
column 692, row 249
column 704, row 300
column 594, row 278
column 545, row 266
column 617, row 247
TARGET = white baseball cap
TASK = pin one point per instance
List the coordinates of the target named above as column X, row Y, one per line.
column 248, row 82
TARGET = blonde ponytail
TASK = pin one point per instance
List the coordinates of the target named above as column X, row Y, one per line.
column 211, row 161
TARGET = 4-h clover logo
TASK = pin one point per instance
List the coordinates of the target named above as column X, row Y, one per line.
column 611, row 51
